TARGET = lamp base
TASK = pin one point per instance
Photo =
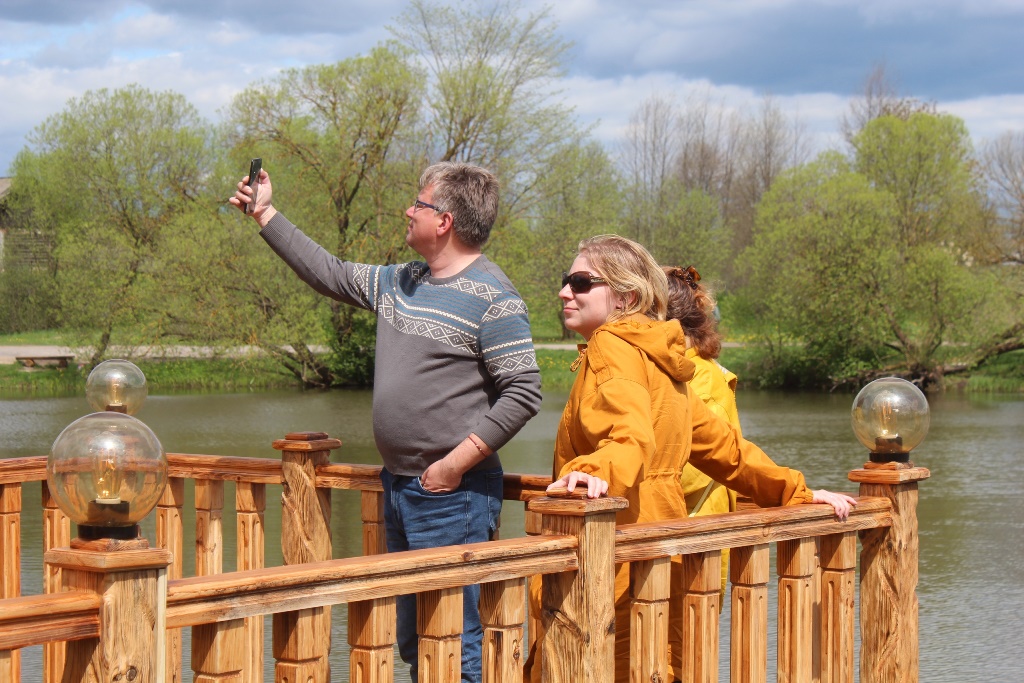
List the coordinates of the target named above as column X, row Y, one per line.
column 887, row 457
column 108, row 538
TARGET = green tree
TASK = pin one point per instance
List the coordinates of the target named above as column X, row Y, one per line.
column 336, row 139
column 580, row 197
column 109, row 175
column 867, row 262
column 491, row 93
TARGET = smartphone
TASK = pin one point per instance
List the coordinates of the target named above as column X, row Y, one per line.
column 254, row 182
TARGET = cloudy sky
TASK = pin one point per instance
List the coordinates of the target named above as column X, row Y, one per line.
column 810, row 55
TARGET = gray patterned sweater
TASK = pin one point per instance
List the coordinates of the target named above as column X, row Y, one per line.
column 454, row 354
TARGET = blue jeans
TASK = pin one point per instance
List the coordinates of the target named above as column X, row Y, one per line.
column 414, row 519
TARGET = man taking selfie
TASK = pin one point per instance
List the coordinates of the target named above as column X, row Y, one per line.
column 456, row 375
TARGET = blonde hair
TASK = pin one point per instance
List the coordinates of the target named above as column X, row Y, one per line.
column 631, row 272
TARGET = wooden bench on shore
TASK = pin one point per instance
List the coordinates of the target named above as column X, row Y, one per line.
column 61, row 361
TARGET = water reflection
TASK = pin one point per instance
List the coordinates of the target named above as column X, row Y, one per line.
column 971, row 510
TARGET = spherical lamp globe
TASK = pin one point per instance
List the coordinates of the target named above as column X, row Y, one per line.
column 890, row 417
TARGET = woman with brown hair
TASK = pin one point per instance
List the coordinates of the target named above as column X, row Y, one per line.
column 632, row 422
column 692, row 305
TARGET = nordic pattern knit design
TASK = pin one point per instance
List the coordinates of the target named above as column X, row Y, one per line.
column 471, row 319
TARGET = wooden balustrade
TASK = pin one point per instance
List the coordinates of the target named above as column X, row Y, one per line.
column 576, row 554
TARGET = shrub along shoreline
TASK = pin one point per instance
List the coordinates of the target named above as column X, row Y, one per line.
column 1003, row 375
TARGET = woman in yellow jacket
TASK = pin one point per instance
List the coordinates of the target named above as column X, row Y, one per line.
column 632, row 422
column 691, row 304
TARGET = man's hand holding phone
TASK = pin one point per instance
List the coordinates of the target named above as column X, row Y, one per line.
column 253, row 194
column 253, row 181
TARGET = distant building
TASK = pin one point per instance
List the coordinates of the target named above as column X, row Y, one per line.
column 21, row 244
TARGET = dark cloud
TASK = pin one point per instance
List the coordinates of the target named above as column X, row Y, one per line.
column 295, row 17
column 819, row 48
column 61, row 12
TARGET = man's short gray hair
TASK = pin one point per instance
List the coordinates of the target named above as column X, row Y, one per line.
column 469, row 193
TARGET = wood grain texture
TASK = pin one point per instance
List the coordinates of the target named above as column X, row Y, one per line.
column 250, row 504
column 371, row 509
column 56, row 534
column 524, row 486
column 209, row 527
column 650, row 584
column 20, row 470
column 883, row 475
column 795, row 566
column 888, row 590
column 371, row 637
column 302, row 639
column 439, row 625
column 10, row 565
column 749, row 571
column 578, row 608
column 735, row 529
column 371, row 623
column 170, row 536
column 218, row 652
column 35, row 619
column 838, row 560
column 200, row 600
column 502, row 612
column 131, row 618
column 702, row 581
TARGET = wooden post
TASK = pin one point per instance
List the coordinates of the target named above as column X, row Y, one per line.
column 371, row 623
column 302, row 639
column 209, row 527
column 578, row 608
column 749, row 572
column 170, row 536
column 889, row 646
column 10, row 565
column 502, row 612
column 702, row 581
column 439, row 625
column 131, row 579
column 56, row 534
column 219, row 654
column 838, row 555
column 650, row 584
column 250, row 504
column 796, row 562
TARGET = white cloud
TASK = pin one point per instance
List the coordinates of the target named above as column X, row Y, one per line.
column 207, row 51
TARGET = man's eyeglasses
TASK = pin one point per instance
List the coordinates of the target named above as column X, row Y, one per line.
column 423, row 205
column 581, row 281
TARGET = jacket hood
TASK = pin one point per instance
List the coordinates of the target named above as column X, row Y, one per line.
column 663, row 342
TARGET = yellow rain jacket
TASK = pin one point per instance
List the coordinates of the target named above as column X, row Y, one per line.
column 633, row 420
column 716, row 386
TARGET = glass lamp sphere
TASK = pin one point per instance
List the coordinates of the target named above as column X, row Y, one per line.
column 106, row 469
column 890, row 417
column 116, row 385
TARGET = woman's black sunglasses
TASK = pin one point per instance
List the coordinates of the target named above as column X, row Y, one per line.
column 581, row 281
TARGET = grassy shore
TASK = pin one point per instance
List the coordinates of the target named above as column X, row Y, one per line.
column 1001, row 375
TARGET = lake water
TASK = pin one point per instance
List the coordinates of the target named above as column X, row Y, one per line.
column 971, row 510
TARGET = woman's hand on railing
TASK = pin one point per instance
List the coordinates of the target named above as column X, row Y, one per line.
column 596, row 487
column 840, row 502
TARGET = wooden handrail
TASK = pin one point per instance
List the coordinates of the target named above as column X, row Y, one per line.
column 651, row 540
column 233, row 595
column 38, row 619
column 267, row 471
column 19, row 470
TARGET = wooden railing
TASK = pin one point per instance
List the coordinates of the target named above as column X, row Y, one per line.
column 110, row 610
